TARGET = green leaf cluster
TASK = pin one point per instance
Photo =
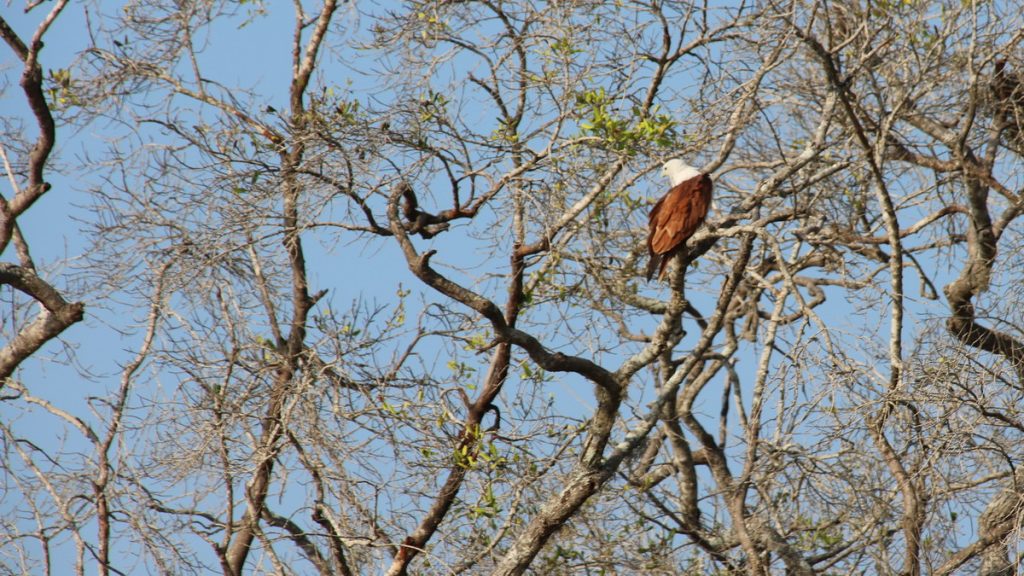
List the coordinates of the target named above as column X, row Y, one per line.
column 623, row 133
column 60, row 89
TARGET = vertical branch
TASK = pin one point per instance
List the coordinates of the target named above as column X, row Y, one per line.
column 103, row 477
column 995, row 529
column 470, row 434
column 57, row 314
column 737, row 498
column 913, row 502
column 468, row 439
column 291, row 349
column 585, row 479
column 32, row 85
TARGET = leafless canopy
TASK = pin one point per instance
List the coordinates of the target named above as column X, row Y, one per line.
column 384, row 305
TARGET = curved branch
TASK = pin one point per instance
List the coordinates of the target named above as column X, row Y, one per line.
column 57, row 316
column 419, row 264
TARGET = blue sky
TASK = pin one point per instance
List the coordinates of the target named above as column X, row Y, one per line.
column 255, row 56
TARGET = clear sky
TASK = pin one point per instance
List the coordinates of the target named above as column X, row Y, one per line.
column 255, row 56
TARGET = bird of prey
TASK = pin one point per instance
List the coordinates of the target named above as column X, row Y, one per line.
column 678, row 214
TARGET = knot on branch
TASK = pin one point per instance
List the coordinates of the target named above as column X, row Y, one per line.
column 423, row 262
column 57, row 315
column 425, row 224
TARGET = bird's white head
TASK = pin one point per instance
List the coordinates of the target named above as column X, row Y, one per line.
column 678, row 171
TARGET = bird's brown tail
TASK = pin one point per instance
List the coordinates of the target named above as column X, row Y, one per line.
column 653, row 265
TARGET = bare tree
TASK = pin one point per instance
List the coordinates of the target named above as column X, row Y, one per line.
column 389, row 313
column 25, row 167
column 37, row 308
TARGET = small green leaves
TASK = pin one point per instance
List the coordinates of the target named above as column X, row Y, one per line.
column 461, row 371
column 623, row 133
column 432, row 106
column 564, row 48
column 60, row 89
column 488, row 506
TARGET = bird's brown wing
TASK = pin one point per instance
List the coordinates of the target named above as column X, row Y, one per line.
column 655, row 257
column 675, row 218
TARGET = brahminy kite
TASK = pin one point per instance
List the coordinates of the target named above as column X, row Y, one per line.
column 678, row 214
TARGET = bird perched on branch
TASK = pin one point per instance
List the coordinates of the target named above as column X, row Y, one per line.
column 678, row 214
